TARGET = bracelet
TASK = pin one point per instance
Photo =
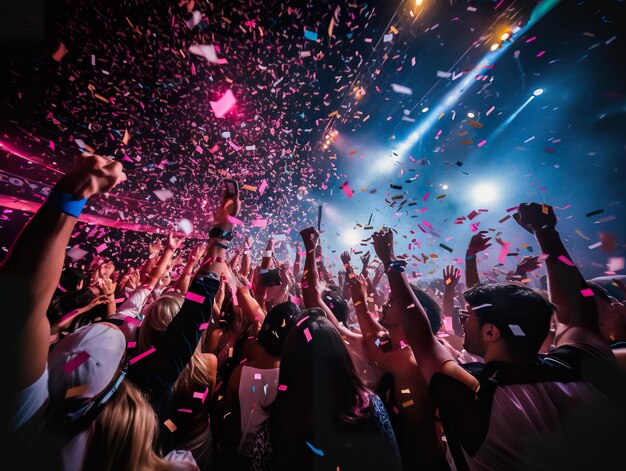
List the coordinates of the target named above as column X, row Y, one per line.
column 65, row 202
column 397, row 265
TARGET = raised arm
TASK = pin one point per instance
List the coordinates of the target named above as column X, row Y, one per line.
column 349, row 274
column 182, row 284
column 157, row 272
column 245, row 257
column 310, row 282
column 478, row 243
column 431, row 355
column 154, row 248
column 31, row 271
column 451, row 277
column 566, row 285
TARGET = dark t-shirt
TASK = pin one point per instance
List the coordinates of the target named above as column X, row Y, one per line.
column 566, row 411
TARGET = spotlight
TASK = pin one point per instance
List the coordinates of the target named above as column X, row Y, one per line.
column 425, row 109
column 494, row 46
column 351, row 237
column 538, row 92
column 505, row 36
column 470, row 115
column 485, row 193
column 327, row 136
column 444, row 187
column 418, row 2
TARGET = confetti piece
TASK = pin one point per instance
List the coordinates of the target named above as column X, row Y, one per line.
column 142, row 355
column 186, row 226
column 224, row 104
column 315, row 450
column 566, row 260
column 170, row 425
column 517, row 330
column 208, row 52
column 131, row 344
column 282, row 387
column 347, row 190
column 408, row 403
column 234, row 220
column 76, row 391
column 307, row 334
column 196, row 298
column 75, row 362
column 482, row 143
column 593, row 213
column 310, row 35
column 587, row 292
column 401, row 89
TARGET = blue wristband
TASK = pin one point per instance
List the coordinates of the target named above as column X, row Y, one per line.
column 65, row 202
column 397, row 265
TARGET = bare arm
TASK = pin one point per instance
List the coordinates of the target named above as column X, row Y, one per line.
column 182, row 284
column 32, row 269
column 478, row 243
column 431, row 355
column 310, row 282
column 566, row 285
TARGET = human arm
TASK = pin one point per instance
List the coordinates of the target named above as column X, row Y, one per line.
column 478, row 243
column 310, row 282
column 154, row 248
column 32, row 268
column 182, row 284
column 566, row 284
column 245, row 257
column 349, row 273
column 431, row 355
column 451, row 277
column 260, row 289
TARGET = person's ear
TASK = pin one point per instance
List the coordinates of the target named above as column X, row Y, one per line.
column 490, row 332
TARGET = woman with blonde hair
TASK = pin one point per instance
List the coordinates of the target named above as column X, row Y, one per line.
column 193, row 388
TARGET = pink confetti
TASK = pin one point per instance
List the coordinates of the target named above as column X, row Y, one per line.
column 131, row 344
column 196, row 298
column 503, row 251
column 75, row 362
column 262, row 187
column 132, row 320
column 482, row 143
column 307, row 334
column 282, row 387
column 566, row 260
column 541, row 54
column 425, row 196
column 587, row 292
column 142, row 355
column 224, row 104
column 529, row 40
column 203, row 326
column 234, row 220
column 302, row 320
column 347, row 190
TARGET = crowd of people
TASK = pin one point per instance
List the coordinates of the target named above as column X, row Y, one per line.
column 207, row 358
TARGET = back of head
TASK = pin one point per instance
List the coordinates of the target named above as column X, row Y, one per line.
column 431, row 306
column 158, row 316
column 318, row 372
column 68, row 302
column 276, row 326
column 521, row 314
column 124, row 433
column 335, row 302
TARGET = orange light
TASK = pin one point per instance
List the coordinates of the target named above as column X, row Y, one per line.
column 494, row 46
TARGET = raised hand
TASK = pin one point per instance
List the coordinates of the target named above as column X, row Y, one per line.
column 451, row 276
column 478, row 243
column 345, row 257
column 528, row 264
column 155, row 247
column 365, row 259
column 310, row 238
column 91, row 174
column 383, row 245
column 196, row 253
column 173, row 242
column 534, row 217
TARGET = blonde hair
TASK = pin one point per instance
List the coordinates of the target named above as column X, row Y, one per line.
column 157, row 318
column 125, row 434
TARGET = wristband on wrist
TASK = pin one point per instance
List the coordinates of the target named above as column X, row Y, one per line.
column 65, row 202
column 397, row 265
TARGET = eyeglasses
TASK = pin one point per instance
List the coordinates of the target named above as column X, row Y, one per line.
column 464, row 316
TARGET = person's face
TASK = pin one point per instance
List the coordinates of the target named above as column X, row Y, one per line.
column 472, row 330
column 166, row 279
column 107, row 269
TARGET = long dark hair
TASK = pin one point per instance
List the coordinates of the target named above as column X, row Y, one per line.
column 319, row 391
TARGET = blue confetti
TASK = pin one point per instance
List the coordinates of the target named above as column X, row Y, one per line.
column 315, row 450
column 310, row 35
